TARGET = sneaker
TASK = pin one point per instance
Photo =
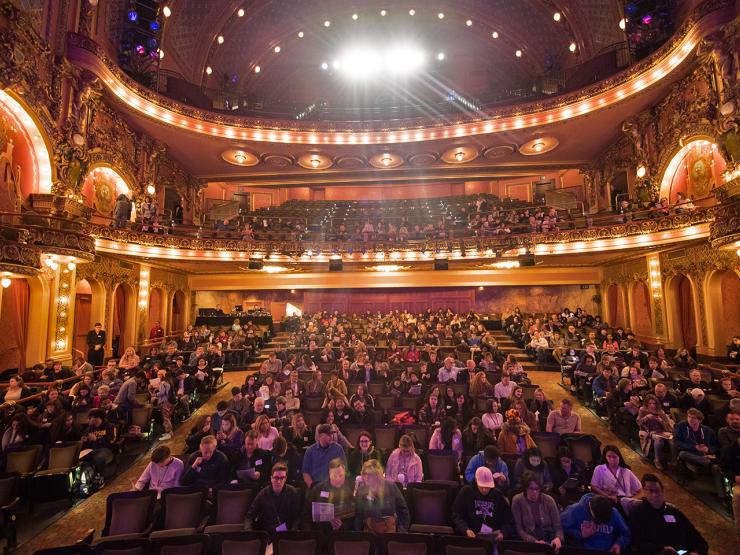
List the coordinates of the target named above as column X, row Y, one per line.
column 165, row 437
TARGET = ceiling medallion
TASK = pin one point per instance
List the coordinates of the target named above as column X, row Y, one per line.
column 314, row 161
column 537, row 146
column 461, row 154
column 423, row 158
column 350, row 162
column 239, row 157
column 498, row 151
column 277, row 160
column 386, row 160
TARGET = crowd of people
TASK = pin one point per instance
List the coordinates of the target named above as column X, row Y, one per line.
column 307, row 426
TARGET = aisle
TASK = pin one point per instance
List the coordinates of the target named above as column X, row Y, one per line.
column 90, row 513
column 718, row 531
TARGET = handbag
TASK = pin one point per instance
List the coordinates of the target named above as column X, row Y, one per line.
column 381, row 525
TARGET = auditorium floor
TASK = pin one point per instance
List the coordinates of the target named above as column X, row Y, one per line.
column 90, row 513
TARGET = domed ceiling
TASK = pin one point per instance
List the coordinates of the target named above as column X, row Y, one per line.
column 484, row 50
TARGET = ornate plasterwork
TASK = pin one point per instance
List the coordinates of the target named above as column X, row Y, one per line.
column 108, row 271
column 699, row 261
column 168, row 280
column 625, row 273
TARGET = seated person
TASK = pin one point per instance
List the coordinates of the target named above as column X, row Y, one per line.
column 163, row 472
column 657, row 525
column 208, row 467
column 339, row 492
column 379, row 504
column 613, row 478
column 514, row 437
column 564, row 421
column 482, row 509
column 404, row 465
column 99, row 437
column 251, row 463
column 569, row 477
column 363, row 452
column 594, row 523
column 536, row 514
column 490, row 457
column 277, row 507
column 532, row 462
column 694, row 442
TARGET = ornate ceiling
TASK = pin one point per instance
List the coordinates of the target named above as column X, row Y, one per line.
column 475, row 63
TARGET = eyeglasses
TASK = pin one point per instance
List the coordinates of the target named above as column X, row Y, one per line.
column 279, row 478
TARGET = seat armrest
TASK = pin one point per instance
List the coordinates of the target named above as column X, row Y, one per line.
column 12, row 505
column 88, row 537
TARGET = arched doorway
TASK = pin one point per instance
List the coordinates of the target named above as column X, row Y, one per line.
column 89, row 309
column 723, row 303
column 681, row 312
column 642, row 322
column 177, row 320
column 615, row 298
column 156, row 304
column 14, row 325
column 123, row 314
column 695, row 170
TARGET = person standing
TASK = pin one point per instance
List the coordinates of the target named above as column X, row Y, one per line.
column 96, row 345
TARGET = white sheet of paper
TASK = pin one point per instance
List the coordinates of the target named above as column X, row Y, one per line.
column 322, row 512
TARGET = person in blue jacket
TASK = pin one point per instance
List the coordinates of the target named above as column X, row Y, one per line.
column 490, row 457
column 594, row 523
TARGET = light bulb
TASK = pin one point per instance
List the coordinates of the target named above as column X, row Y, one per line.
column 5, row 282
column 166, row 11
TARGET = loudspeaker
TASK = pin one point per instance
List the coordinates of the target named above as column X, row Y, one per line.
column 336, row 265
column 255, row 264
column 441, row 264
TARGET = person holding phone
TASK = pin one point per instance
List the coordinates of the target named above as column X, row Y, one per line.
column 657, row 525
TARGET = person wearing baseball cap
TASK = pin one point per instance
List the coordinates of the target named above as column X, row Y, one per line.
column 481, row 509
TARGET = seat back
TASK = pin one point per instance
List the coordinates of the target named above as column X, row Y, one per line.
column 74, row 549
column 410, row 402
column 232, row 504
column 429, row 506
column 375, row 388
column 9, row 487
column 313, row 418
column 385, row 402
column 295, row 543
column 548, row 443
column 511, row 547
column 189, row 544
column 141, row 416
column 182, row 507
column 312, row 403
column 420, row 434
column 441, row 465
column 122, row 547
column 460, row 545
column 408, row 544
column 385, row 437
column 241, row 543
column 352, row 543
column 23, row 461
column 64, row 456
column 128, row 512
column 352, row 433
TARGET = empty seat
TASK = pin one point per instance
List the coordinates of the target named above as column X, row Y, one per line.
column 385, row 437
column 240, row 543
column 460, row 545
column 23, row 461
column 231, row 504
column 441, row 465
column 407, row 544
column 183, row 509
column 184, row 544
column 429, row 506
column 352, row 543
column 548, row 443
column 129, row 514
column 295, row 543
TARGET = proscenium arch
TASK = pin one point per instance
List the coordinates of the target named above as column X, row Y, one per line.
column 25, row 119
column 669, row 166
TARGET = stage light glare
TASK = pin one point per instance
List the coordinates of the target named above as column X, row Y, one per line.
column 572, row 47
column 495, row 34
column 518, row 53
column 220, row 39
column 300, row 34
column 556, row 16
column 469, row 23
column 166, row 11
column 209, row 70
column 412, row 12
column 623, row 24
column 383, row 12
column 257, row 69
column 441, row 15
column 355, row 17
column 240, row 12
column 441, row 56
column 324, row 66
column 277, row 50
column 327, row 23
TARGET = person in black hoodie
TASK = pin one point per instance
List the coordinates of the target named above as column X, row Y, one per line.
column 252, row 463
column 657, row 525
column 482, row 509
column 99, row 437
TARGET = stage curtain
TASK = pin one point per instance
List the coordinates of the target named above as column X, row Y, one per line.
column 20, row 305
column 414, row 300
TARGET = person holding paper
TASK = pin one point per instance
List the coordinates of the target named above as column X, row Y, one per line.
column 252, row 463
column 481, row 509
column 162, row 472
column 277, row 507
column 536, row 514
column 331, row 504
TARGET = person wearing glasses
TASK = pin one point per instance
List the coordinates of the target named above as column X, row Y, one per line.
column 277, row 507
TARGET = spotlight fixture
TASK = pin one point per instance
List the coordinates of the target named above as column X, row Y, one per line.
column 277, row 50
column 300, row 34
column 441, row 15
column 538, row 147
column 240, row 12
column 459, row 156
column 441, row 56
column 220, row 39
column 518, row 53
column 355, row 17
column 209, row 70
column 386, row 160
column 327, row 23
column 315, row 162
column 623, row 24
column 556, row 16
column 641, row 171
column 257, row 69
column 324, row 65
column 382, row 13
column 166, row 11
column 412, row 12
column 495, row 34
column 5, row 282
column 572, row 47
column 469, row 23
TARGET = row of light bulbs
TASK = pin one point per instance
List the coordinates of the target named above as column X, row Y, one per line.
column 557, row 16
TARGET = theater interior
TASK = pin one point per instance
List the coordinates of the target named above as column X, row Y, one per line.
column 479, row 234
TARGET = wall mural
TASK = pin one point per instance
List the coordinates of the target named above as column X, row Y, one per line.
column 10, row 171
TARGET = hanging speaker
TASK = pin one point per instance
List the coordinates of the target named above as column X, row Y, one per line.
column 255, row 264
column 336, row 265
column 441, row 264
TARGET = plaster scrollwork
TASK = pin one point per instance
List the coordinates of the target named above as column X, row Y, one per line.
column 109, row 272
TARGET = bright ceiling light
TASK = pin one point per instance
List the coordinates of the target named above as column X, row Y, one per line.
column 277, row 50
column 572, row 47
column 166, row 11
column 324, row 65
column 412, row 12
column 386, row 160
column 469, row 23
column 151, row 189
column 623, row 24
column 383, row 12
column 495, row 34
column 315, row 162
column 327, row 23
column 355, row 17
column 257, row 69
column 365, row 62
column 441, row 56
column 240, row 12
column 459, row 156
column 556, row 16
column 300, row 34
column 209, row 70
column 220, row 39
column 441, row 15
column 161, row 54
column 538, row 147
column 518, row 53
column 641, row 171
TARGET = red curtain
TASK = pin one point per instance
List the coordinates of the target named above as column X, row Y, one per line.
column 19, row 308
column 686, row 306
column 613, row 300
column 119, row 320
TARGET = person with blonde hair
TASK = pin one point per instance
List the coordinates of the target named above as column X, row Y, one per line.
column 266, row 432
column 379, row 504
column 129, row 360
column 404, row 465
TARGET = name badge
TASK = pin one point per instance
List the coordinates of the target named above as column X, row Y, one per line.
column 324, row 494
column 257, row 462
column 305, row 438
column 670, row 519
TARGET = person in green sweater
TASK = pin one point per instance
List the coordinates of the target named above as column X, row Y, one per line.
column 536, row 514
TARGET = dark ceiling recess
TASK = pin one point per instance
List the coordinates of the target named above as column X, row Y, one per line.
column 139, row 54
